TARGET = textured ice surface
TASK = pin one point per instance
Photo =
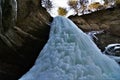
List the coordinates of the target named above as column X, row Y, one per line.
column 70, row 54
column 116, row 58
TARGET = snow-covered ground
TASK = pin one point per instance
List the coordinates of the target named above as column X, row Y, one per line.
column 70, row 54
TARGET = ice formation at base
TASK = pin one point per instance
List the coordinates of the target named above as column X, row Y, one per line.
column 70, row 54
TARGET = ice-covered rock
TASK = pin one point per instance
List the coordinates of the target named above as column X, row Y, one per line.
column 8, row 14
column 70, row 54
column 93, row 34
column 0, row 15
column 112, row 49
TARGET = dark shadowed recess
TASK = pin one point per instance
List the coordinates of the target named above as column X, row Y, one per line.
column 22, row 40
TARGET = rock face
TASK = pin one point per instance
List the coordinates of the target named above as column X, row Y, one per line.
column 9, row 13
column 98, row 20
column 0, row 15
column 115, row 29
column 21, row 40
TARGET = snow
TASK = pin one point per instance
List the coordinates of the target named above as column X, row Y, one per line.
column 70, row 54
column 111, row 45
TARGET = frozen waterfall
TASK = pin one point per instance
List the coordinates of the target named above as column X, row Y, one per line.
column 70, row 54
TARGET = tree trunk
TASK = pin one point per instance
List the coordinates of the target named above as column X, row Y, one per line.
column 21, row 40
